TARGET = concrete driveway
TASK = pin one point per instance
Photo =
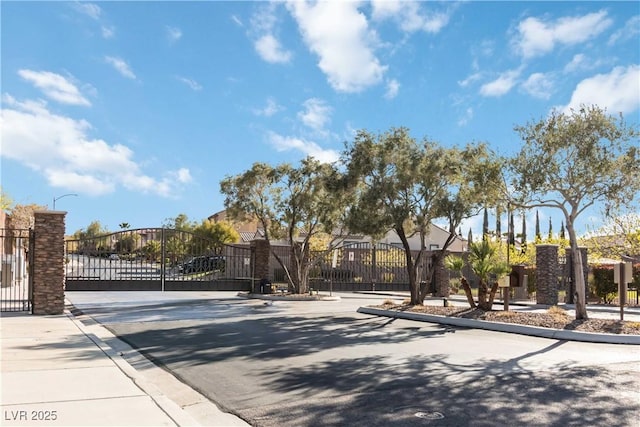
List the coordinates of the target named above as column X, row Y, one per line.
column 321, row 363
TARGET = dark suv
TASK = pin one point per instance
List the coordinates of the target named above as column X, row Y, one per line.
column 202, row 263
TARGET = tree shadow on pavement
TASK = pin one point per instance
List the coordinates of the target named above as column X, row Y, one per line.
column 262, row 338
column 429, row 390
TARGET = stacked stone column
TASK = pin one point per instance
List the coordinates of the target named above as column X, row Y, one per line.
column 260, row 255
column 547, row 274
column 48, row 262
column 442, row 278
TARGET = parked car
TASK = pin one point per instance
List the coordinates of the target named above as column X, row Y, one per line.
column 202, row 263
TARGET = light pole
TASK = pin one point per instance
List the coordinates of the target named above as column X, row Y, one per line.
column 60, row 197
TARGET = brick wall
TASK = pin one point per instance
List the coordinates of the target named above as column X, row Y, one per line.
column 48, row 262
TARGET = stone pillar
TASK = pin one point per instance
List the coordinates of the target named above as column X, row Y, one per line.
column 442, row 278
column 48, row 262
column 260, row 254
column 547, row 269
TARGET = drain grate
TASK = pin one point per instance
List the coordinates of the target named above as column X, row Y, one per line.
column 429, row 415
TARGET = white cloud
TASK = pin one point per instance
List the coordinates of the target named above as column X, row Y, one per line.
column 409, row 15
column 309, row 148
column 108, row 31
column 340, row 35
column 237, row 21
column 578, row 62
column 630, row 31
column 393, row 87
column 182, row 175
column 539, row 85
column 537, row 37
column 173, row 34
column 121, row 66
column 55, row 87
column 266, row 44
column 270, row 49
column 472, row 78
column 94, row 12
column 59, row 148
column 502, row 85
column 268, row 110
column 618, row 91
column 316, row 114
column 468, row 115
column 194, row 85
column 89, row 9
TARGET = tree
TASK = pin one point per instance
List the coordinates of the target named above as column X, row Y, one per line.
column 217, row 233
column 538, row 235
column 298, row 204
column 485, row 225
column 90, row 238
column 5, row 201
column 619, row 237
column 403, row 185
column 511, row 235
column 572, row 161
column 486, row 263
column 22, row 217
column 498, row 223
column 152, row 250
column 127, row 242
column 524, row 233
column 124, row 225
column 180, row 222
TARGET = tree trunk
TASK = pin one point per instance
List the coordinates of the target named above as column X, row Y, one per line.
column 580, row 285
column 492, row 295
column 482, row 294
column 467, row 291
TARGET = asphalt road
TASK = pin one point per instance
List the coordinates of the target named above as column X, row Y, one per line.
column 323, row 364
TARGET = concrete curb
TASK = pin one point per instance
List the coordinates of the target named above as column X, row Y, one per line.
column 276, row 297
column 507, row 327
column 185, row 406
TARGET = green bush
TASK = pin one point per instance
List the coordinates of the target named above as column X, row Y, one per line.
column 603, row 285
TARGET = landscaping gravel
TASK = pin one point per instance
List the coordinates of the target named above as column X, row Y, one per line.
column 555, row 319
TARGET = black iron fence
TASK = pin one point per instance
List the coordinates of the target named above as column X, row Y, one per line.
column 155, row 259
column 16, row 263
column 354, row 266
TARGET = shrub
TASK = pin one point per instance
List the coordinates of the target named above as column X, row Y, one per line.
column 604, row 287
column 454, row 286
column 557, row 312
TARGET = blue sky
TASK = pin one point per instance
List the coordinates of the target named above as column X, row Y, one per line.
column 141, row 108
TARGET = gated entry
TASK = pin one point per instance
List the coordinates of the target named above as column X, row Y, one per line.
column 365, row 266
column 156, row 259
column 16, row 253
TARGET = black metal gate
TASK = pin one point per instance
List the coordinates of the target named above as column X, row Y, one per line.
column 16, row 269
column 365, row 266
column 155, row 259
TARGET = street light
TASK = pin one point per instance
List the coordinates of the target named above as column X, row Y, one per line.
column 60, row 197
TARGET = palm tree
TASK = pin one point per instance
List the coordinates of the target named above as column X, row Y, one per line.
column 456, row 263
column 485, row 262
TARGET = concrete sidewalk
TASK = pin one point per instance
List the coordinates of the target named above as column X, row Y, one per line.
column 67, row 371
